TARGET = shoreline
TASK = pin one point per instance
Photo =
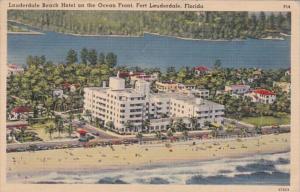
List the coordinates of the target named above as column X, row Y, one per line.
column 25, row 33
column 95, row 170
column 135, row 156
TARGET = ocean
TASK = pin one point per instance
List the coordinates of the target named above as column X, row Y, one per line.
column 264, row 169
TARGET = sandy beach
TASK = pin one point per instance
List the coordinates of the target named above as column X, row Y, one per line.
column 25, row 33
column 118, row 156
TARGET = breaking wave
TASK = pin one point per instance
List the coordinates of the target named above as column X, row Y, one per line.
column 268, row 169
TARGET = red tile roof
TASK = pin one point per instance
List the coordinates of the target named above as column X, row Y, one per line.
column 21, row 109
column 263, row 92
column 201, row 68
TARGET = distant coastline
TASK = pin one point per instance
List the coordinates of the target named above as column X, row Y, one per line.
column 137, row 36
column 25, row 33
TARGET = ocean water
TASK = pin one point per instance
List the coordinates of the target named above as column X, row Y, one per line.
column 155, row 51
column 267, row 169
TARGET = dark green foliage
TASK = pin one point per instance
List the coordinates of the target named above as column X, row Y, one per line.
column 200, row 25
column 71, row 57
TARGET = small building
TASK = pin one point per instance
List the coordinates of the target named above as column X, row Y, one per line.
column 19, row 113
column 166, row 86
column 70, row 87
column 237, row 89
column 288, row 72
column 202, row 93
column 201, row 70
column 263, row 96
column 13, row 69
column 284, row 86
column 149, row 78
column 58, row 93
column 257, row 74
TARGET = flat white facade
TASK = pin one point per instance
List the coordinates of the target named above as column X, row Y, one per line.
column 121, row 105
column 237, row 89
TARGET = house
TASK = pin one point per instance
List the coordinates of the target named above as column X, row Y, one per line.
column 19, row 113
column 70, row 87
column 262, row 96
column 201, row 70
column 257, row 74
column 202, row 93
column 166, row 86
column 288, row 72
column 58, row 93
column 237, row 89
column 13, row 69
column 149, row 78
column 284, row 86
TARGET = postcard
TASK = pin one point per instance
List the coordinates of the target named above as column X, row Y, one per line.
column 150, row 95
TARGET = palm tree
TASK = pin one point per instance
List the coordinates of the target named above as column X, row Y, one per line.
column 22, row 133
column 110, row 125
column 207, row 124
column 258, row 130
column 170, row 133
column 69, row 129
column 146, row 124
column 88, row 114
column 193, row 121
column 158, row 135
column 185, row 134
column 128, row 125
column 180, row 125
column 60, row 126
column 50, row 129
column 139, row 136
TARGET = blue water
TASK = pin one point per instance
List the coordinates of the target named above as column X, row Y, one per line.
column 155, row 51
column 267, row 169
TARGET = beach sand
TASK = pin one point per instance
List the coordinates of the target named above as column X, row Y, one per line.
column 118, row 156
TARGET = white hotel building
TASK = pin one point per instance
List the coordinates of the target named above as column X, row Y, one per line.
column 135, row 105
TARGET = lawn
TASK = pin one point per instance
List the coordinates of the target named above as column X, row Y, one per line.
column 39, row 128
column 267, row 120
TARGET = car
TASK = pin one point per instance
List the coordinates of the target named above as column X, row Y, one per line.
column 82, row 139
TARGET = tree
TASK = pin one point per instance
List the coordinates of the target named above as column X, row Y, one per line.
column 262, row 21
column 84, row 55
column 111, row 59
column 128, row 125
column 60, row 126
column 110, row 125
column 180, row 125
column 207, row 123
column 158, row 135
column 69, row 129
column 71, row 57
column 217, row 64
column 185, row 134
column 193, row 121
column 101, row 58
column 139, row 136
column 88, row 114
column 22, row 133
column 50, row 129
column 146, row 124
column 170, row 133
column 92, row 57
